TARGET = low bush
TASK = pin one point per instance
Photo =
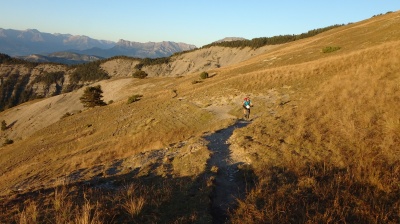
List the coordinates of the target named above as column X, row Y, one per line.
column 329, row 49
column 139, row 74
column 204, row 75
column 134, row 98
column 8, row 141
column 66, row 115
column 3, row 125
column 196, row 81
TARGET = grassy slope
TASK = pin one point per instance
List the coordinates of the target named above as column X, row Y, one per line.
column 332, row 152
column 327, row 131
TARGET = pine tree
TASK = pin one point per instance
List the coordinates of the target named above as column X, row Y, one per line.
column 92, row 97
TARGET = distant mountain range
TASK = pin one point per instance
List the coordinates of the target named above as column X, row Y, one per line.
column 34, row 45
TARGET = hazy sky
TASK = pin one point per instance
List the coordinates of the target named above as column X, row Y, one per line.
column 197, row 22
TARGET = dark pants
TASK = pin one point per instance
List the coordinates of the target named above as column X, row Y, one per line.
column 246, row 111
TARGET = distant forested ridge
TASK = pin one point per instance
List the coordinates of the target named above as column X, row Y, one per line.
column 262, row 41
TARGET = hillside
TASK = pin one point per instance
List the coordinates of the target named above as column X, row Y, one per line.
column 322, row 145
column 32, row 119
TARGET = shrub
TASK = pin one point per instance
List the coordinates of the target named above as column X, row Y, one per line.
column 204, row 75
column 3, row 125
column 8, row 141
column 15, row 90
column 196, row 81
column 134, row 98
column 140, row 74
column 330, row 49
column 175, row 92
column 66, row 115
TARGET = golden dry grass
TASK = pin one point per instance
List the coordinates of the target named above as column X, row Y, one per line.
column 323, row 145
column 336, row 148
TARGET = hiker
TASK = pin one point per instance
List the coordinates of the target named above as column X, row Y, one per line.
column 246, row 107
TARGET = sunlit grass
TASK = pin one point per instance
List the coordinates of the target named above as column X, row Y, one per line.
column 337, row 150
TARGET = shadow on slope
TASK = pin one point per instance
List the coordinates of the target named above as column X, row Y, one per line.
column 113, row 197
column 230, row 180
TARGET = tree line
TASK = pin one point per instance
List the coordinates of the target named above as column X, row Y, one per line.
column 263, row 41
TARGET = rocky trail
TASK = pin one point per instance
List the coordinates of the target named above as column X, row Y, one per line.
column 229, row 182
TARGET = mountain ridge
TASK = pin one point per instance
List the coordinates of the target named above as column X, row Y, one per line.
column 32, row 41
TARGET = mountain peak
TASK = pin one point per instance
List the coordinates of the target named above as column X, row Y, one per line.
column 32, row 30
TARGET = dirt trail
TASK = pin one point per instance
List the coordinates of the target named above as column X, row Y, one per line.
column 229, row 181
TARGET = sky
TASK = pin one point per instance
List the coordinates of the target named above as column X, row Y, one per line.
column 197, row 22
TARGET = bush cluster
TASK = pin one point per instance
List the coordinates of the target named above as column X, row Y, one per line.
column 89, row 72
column 152, row 61
column 50, row 77
column 139, row 74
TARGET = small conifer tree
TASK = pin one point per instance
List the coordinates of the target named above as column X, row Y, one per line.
column 92, row 97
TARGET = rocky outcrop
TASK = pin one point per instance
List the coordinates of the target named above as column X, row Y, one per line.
column 202, row 60
column 18, row 83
